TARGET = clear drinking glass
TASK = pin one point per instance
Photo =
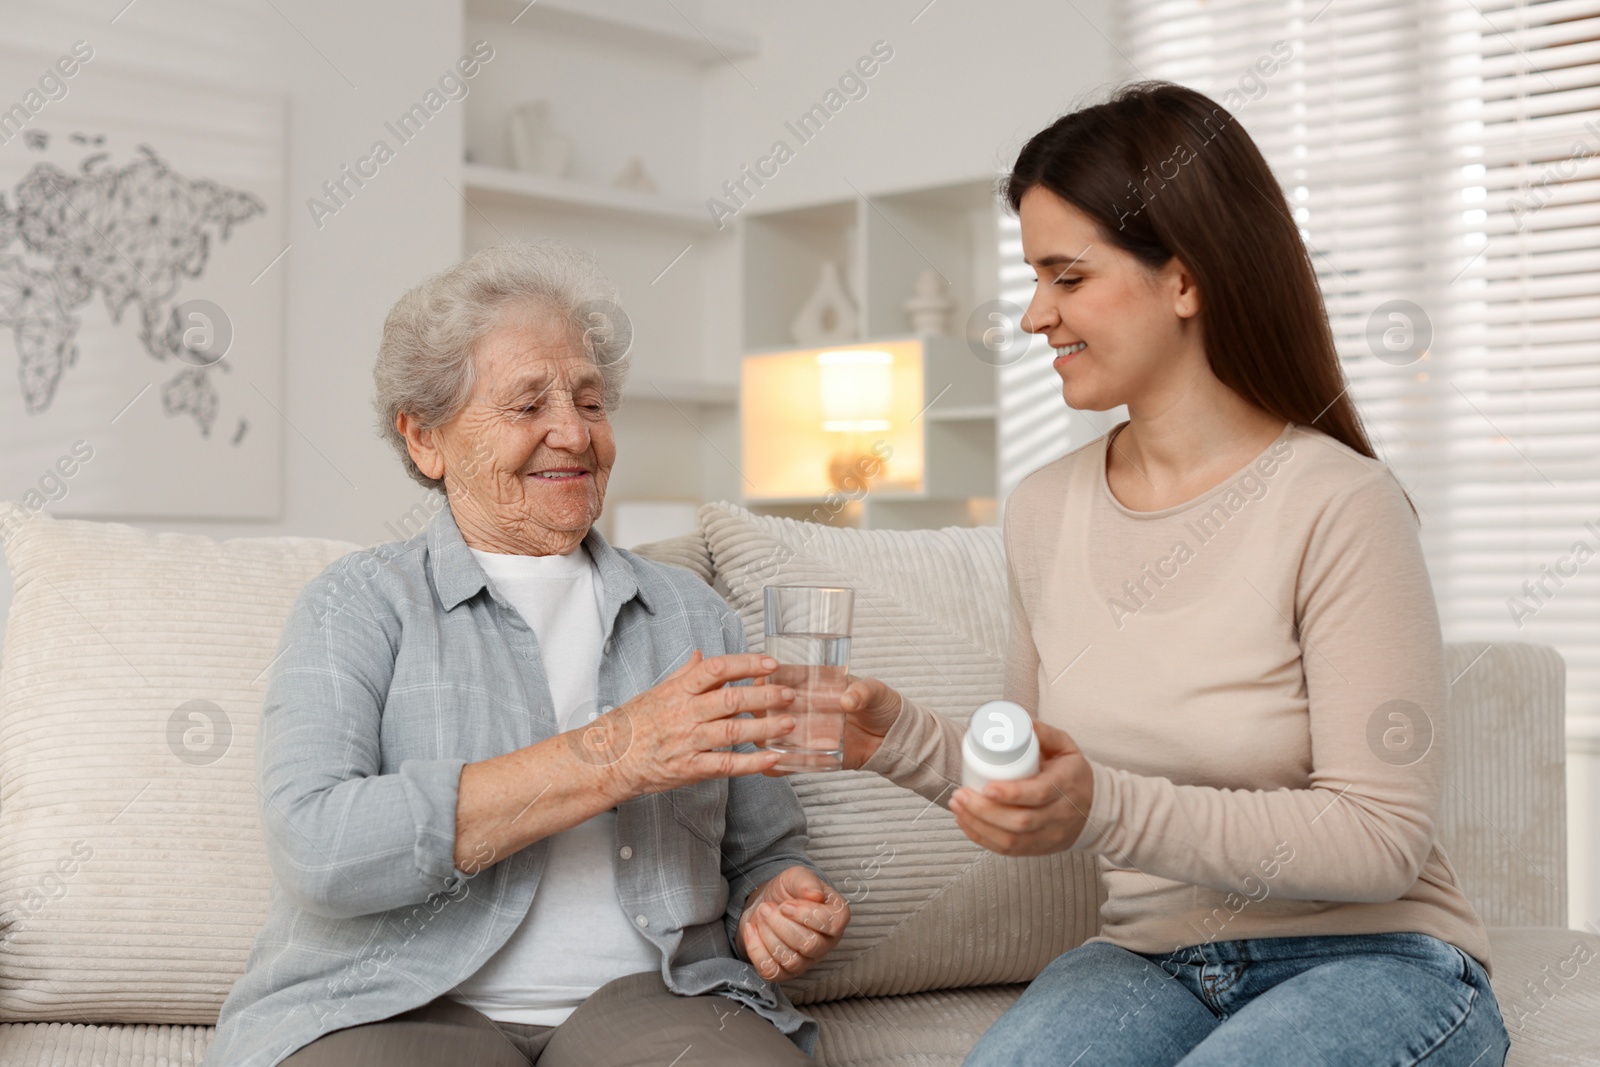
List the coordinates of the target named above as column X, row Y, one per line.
column 808, row 633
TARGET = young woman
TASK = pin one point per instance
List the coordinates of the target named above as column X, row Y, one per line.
column 1223, row 625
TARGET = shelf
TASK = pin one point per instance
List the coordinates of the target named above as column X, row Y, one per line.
column 501, row 185
column 701, row 41
column 881, row 496
column 939, row 409
column 880, row 511
column 790, row 247
column 680, row 390
column 882, row 244
column 969, row 413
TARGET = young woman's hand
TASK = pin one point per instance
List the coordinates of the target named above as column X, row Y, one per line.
column 870, row 708
column 1031, row 816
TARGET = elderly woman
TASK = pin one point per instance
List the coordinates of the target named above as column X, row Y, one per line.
column 514, row 809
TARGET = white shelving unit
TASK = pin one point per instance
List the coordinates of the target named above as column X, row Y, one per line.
column 621, row 79
column 503, row 186
column 970, row 413
column 585, row 59
column 882, row 244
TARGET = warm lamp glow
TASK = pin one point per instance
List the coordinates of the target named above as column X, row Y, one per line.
column 786, row 453
column 857, row 390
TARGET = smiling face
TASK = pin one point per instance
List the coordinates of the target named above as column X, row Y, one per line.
column 1123, row 334
column 525, row 462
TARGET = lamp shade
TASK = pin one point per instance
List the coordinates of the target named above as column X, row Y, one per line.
column 857, row 389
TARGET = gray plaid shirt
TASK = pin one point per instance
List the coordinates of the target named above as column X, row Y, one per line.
column 401, row 663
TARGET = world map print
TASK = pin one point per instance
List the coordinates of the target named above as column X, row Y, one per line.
column 127, row 234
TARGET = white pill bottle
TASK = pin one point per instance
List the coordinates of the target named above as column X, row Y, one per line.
column 999, row 745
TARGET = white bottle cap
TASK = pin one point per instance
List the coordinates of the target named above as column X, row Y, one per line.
column 1001, row 731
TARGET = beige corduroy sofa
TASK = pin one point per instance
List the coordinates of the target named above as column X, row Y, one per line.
column 132, row 876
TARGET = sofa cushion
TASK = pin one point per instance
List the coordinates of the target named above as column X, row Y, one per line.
column 78, row 1045
column 132, row 872
column 1549, row 995
column 688, row 551
column 1547, row 981
column 930, row 909
column 1503, row 812
column 1551, row 1006
column 934, row 1029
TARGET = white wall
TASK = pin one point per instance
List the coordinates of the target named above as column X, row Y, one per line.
column 965, row 86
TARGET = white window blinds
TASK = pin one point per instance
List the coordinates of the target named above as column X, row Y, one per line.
column 1442, row 158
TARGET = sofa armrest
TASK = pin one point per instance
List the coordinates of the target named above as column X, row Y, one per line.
column 1503, row 815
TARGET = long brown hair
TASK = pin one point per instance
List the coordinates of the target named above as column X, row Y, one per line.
column 1165, row 171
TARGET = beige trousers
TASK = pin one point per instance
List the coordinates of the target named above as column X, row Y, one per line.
column 633, row 1021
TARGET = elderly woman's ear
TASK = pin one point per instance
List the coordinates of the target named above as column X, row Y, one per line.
column 420, row 446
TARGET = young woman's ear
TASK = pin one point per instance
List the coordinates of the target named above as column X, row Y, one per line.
column 1185, row 290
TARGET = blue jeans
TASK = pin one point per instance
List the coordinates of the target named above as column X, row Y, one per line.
column 1368, row 1000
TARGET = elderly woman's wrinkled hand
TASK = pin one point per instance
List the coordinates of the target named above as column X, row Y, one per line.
column 679, row 732
column 790, row 923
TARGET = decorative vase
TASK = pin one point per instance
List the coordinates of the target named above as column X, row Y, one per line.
column 536, row 148
column 928, row 309
column 828, row 317
column 634, row 177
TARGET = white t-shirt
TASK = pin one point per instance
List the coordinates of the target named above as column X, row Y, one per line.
column 575, row 937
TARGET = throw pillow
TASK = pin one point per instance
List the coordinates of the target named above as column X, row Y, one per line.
column 133, row 877
column 930, row 909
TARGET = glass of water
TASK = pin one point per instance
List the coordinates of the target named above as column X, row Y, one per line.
column 808, row 633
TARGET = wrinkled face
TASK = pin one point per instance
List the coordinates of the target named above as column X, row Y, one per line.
column 526, row 461
column 1116, row 325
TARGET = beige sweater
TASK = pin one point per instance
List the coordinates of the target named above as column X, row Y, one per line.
column 1257, row 680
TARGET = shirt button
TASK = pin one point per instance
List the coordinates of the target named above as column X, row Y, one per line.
column 641, row 920
column 604, row 708
column 610, row 644
column 626, row 852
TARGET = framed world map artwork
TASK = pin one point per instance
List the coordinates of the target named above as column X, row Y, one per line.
column 142, row 280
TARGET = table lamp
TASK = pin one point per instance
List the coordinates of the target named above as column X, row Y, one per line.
column 857, row 394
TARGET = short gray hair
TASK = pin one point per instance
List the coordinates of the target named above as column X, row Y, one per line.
column 425, row 360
